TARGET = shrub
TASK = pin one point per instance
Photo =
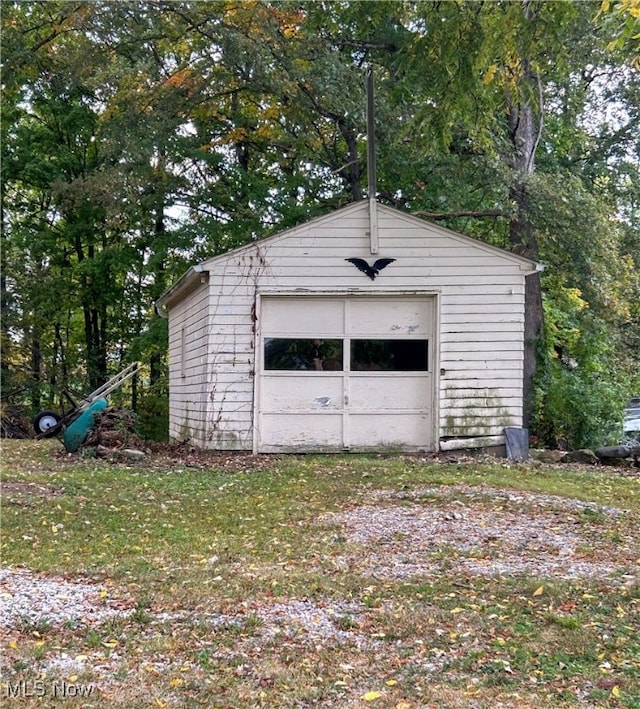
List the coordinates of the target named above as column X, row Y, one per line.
column 153, row 416
column 581, row 390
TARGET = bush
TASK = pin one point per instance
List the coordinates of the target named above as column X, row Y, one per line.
column 153, row 416
column 581, row 389
column 578, row 408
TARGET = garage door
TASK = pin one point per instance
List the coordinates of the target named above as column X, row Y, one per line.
column 351, row 373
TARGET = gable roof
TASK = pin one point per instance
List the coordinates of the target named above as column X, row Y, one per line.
column 198, row 272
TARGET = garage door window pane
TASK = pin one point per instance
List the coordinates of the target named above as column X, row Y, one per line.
column 389, row 355
column 314, row 355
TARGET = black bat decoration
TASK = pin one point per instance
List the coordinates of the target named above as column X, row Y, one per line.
column 371, row 271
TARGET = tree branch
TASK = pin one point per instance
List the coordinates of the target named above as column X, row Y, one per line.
column 441, row 216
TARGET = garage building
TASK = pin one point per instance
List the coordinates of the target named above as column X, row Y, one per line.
column 365, row 329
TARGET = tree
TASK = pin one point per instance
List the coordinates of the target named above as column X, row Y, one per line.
column 139, row 137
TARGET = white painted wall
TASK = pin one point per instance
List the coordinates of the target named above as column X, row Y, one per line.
column 481, row 319
column 188, row 349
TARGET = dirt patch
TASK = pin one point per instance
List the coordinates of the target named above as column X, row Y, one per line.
column 175, row 456
column 480, row 531
column 25, row 493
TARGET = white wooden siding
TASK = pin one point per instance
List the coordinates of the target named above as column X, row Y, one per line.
column 481, row 318
column 188, row 347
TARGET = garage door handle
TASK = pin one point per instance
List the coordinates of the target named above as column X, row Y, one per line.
column 346, row 399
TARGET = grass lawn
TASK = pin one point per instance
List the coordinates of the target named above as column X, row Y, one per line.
column 188, row 580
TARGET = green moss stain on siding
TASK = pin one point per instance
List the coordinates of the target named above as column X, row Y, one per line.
column 477, row 416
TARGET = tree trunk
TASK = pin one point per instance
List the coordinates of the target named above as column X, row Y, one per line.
column 533, row 330
column 4, row 301
column 92, row 344
column 95, row 319
column 36, row 369
column 156, row 358
column 524, row 130
column 354, row 176
column 523, row 242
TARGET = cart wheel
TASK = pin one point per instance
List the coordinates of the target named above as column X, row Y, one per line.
column 45, row 420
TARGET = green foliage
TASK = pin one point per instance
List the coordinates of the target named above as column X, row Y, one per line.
column 622, row 19
column 581, row 389
column 579, row 408
column 137, row 139
column 153, row 414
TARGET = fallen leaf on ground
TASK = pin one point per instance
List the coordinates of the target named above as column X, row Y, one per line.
column 371, row 696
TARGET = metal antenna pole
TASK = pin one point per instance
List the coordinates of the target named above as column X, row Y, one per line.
column 371, row 163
